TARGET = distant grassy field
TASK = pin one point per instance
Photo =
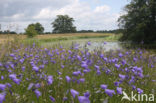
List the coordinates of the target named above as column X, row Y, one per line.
column 72, row 35
column 59, row 37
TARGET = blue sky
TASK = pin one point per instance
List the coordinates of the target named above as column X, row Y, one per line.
column 88, row 14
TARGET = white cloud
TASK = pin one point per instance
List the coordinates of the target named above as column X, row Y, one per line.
column 74, row 9
column 102, row 9
column 17, row 16
column 85, row 16
column 45, row 13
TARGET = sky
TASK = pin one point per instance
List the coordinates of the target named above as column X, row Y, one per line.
column 16, row 15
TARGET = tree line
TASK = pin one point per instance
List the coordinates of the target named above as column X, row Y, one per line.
column 7, row 32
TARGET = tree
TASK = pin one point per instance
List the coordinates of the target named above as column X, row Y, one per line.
column 63, row 24
column 139, row 22
column 30, row 31
column 38, row 27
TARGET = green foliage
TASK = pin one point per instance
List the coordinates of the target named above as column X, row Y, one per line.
column 63, row 24
column 139, row 22
column 85, row 31
column 38, row 27
column 7, row 32
column 34, row 29
column 30, row 31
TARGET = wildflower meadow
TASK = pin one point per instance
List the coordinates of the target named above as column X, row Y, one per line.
column 33, row 74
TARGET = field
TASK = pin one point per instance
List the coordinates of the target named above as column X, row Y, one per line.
column 33, row 73
column 56, row 37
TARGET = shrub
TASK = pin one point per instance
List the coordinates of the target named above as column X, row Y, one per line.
column 30, row 31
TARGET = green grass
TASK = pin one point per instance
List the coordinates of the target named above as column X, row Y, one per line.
column 71, row 38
